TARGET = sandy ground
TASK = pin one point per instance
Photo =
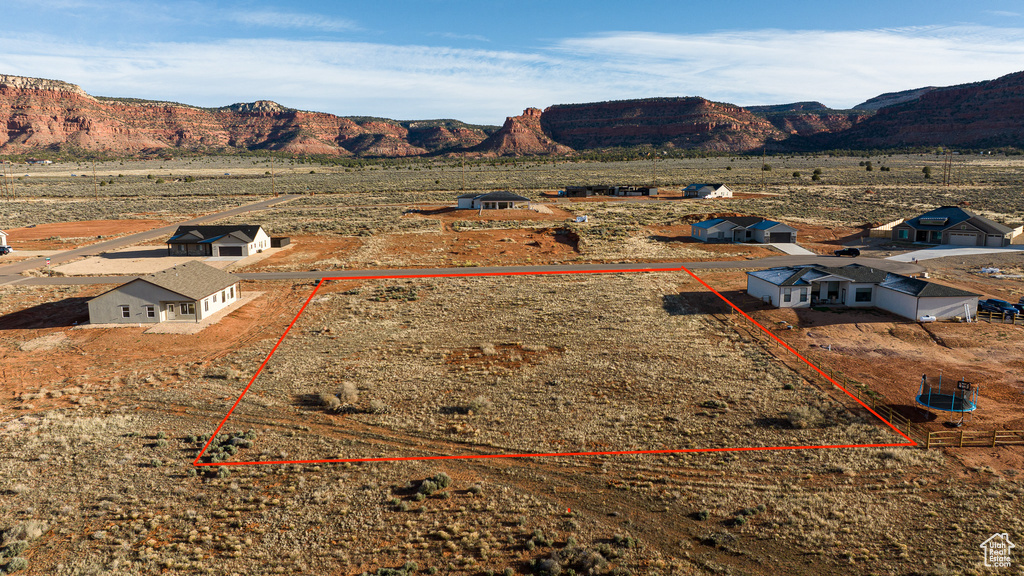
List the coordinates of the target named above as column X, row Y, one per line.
column 68, row 235
column 146, row 260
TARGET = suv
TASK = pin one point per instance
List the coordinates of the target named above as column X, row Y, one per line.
column 999, row 306
column 847, row 252
column 5, row 250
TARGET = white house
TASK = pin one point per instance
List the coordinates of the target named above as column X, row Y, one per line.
column 3, row 238
column 742, row 229
column 707, row 191
column 185, row 293
column 855, row 285
column 500, row 200
column 235, row 241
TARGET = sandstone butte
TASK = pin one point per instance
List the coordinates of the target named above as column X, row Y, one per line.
column 49, row 114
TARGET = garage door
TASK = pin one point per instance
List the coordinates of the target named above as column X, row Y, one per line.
column 963, row 239
column 230, row 250
column 994, row 240
column 780, row 237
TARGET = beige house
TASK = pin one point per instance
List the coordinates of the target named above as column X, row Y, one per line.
column 185, row 293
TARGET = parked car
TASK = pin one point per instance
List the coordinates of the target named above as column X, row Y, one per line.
column 5, row 250
column 998, row 306
column 847, row 252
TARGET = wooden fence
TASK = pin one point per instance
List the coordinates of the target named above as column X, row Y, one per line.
column 885, row 230
column 1001, row 317
column 923, row 438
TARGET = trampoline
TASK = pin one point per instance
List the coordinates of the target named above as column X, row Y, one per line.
column 958, row 397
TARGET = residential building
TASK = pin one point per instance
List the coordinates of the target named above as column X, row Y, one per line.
column 707, row 191
column 855, row 285
column 234, row 241
column 499, row 200
column 743, row 229
column 188, row 292
column 954, row 225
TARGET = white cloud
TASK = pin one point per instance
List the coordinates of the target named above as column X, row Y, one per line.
column 274, row 19
column 839, row 69
column 1003, row 13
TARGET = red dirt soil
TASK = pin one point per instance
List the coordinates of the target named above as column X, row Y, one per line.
column 39, row 344
column 69, row 235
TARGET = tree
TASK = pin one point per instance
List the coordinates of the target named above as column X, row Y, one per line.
column 927, row 171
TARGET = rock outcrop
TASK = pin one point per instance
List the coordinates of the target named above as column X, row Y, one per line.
column 522, row 136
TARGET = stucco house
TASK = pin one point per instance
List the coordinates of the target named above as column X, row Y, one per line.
column 236, row 241
column 707, row 191
column 743, row 229
column 188, row 292
column 855, row 285
column 954, row 225
column 500, row 200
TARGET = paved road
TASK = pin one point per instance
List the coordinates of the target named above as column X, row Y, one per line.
column 949, row 250
column 889, row 265
column 10, row 273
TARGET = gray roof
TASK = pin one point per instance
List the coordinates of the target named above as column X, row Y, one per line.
column 502, row 196
column 804, row 275
column 922, row 289
column 193, row 280
column 955, row 215
column 206, row 234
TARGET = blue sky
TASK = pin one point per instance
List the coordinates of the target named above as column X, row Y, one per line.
column 481, row 61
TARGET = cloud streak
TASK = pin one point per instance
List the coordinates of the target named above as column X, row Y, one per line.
column 418, row 82
column 274, row 19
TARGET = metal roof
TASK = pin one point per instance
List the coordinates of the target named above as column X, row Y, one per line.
column 922, row 289
column 804, row 275
column 502, row 196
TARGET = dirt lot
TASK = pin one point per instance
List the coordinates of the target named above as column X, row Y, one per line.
column 68, row 235
column 539, row 364
column 99, row 428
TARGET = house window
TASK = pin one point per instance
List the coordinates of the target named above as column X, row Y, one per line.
column 150, row 312
column 223, row 296
column 206, row 305
column 903, row 234
column 862, row 295
column 125, row 312
column 231, row 292
column 187, row 307
column 803, row 295
column 787, row 296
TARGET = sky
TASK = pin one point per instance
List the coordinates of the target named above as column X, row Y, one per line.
column 480, row 61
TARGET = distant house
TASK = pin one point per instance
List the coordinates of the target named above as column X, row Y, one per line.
column 743, row 229
column 185, row 293
column 855, row 285
column 500, row 200
column 707, row 191
column 236, row 241
column 954, row 225
column 602, row 190
column 3, row 238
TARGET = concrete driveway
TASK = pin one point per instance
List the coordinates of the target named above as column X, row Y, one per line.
column 948, row 250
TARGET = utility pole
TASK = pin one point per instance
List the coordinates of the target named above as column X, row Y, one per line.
column 273, row 181
column 95, row 184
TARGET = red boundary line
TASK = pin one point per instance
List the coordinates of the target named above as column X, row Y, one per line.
column 196, row 462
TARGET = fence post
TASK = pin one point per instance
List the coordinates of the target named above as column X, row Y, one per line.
column 961, row 439
column 994, row 438
column 928, row 442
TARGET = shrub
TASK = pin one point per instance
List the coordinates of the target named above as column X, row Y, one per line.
column 15, row 565
column 796, row 174
column 803, row 417
column 766, row 167
column 349, row 394
column 816, row 177
column 479, row 405
column 701, row 515
column 378, row 407
column 329, row 401
column 159, row 180
column 13, row 549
